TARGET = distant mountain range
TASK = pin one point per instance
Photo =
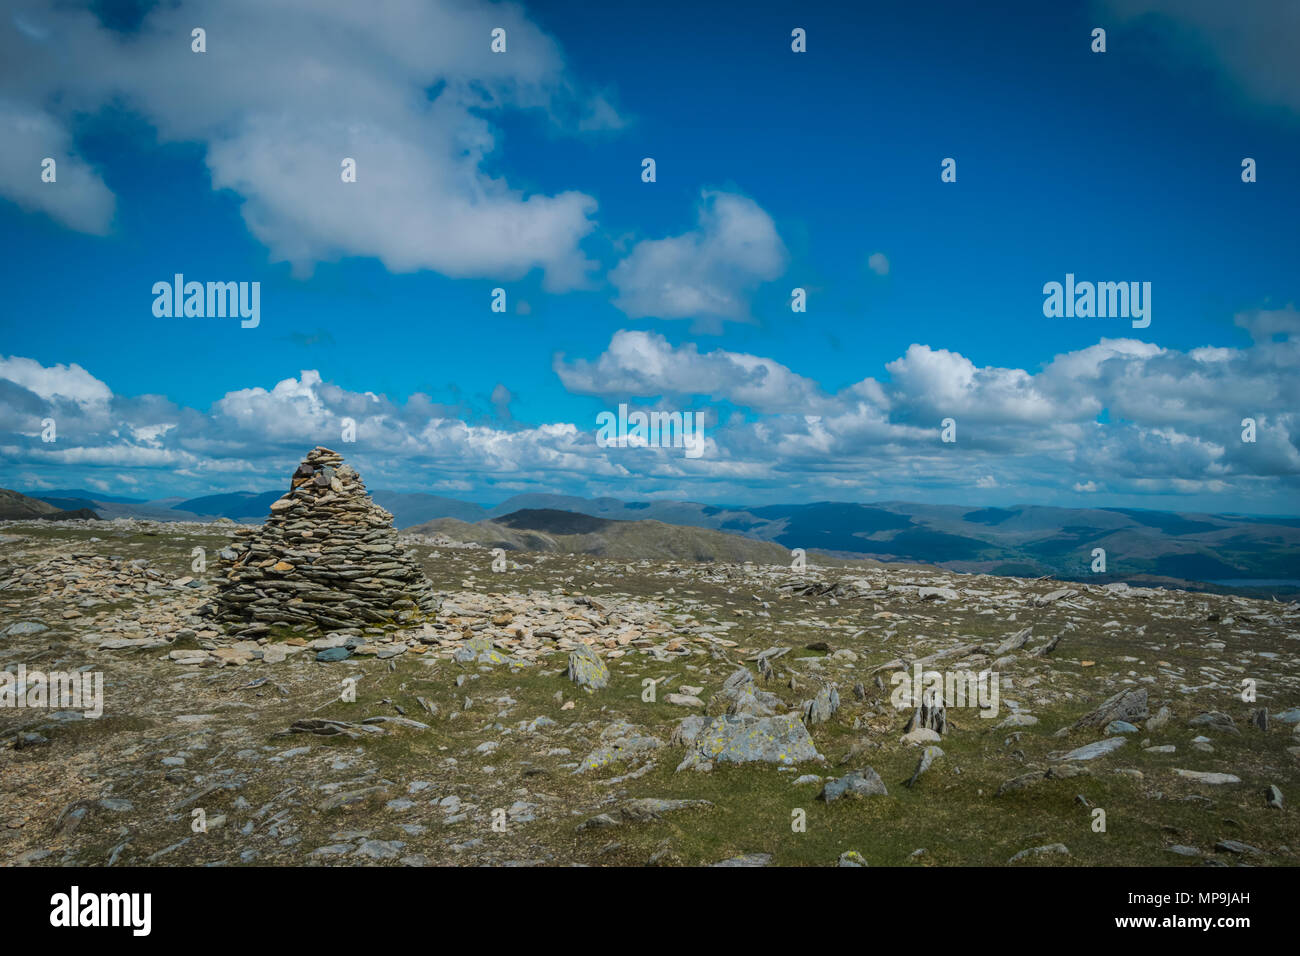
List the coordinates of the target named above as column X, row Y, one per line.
column 572, row 532
column 1029, row 541
column 1026, row 541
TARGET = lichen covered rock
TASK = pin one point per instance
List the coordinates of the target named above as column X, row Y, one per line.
column 586, row 669
column 780, row 739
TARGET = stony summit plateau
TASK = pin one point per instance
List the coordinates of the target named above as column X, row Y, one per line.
column 328, row 690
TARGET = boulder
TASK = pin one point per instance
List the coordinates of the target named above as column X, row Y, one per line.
column 859, row 783
column 586, row 669
column 822, row 707
column 780, row 739
column 620, row 741
column 1095, row 750
column 739, row 697
column 1128, row 705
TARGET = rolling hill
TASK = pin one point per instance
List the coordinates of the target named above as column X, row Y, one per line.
column 1153, row 547
column 15, row 506
column 568, row 532
column 1140, row 546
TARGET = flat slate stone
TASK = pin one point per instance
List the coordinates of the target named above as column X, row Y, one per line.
column 1051, row 849
column 1016, row 720
column 1202, row 776
column 1095, row 750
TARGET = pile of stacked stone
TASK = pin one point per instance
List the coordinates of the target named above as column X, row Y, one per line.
column 326, row 559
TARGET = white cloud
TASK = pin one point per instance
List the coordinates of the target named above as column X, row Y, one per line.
column 77, row 198
column 930, row 384
column 70, row 383
column 1172, row 427
column 1253, row 42
column 1263, row 325
column 1172, row 414
column 349, row 80
column 645, row 364
column 706, row 274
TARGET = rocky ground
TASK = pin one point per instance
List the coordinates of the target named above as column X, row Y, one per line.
column 573, row 710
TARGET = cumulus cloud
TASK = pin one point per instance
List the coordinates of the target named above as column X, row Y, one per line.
column 250, row 436
column 1121, row 417
column 645, row 364
column 57, row 382
column 928, row 384
column 77, row 197
column 501, row 399
column 1253, row 42
column 707, row 274
column 401, row 87
column 1264, row 325
column 1121, row 412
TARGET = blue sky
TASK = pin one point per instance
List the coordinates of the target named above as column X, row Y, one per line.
column 775, row 170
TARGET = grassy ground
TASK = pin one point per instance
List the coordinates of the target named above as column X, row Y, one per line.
column 272, row 793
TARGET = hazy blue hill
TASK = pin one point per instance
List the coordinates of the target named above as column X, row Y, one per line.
column 989, row 516
column 541, row 529
column 832, row 526
column 70, row 504
column 688, row 513
column 235, row 505
column 1280, row 522
column 1072, row 538
column 1196, row 567
column 1167, row 522
column 407, row 508
column 924, row 545
column 1029, row 540
column 553, row 521
column 84, row 495
column 411, row 508
column 541, row 502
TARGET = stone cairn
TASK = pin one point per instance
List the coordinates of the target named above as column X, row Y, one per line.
column 326, row 559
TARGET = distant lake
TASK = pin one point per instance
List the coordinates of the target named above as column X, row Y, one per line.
column 1259, row 582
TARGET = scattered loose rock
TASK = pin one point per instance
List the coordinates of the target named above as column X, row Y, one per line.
column 859, row 783
column 1051, row 849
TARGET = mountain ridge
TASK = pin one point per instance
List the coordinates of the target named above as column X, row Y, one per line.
column 1025, row 540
